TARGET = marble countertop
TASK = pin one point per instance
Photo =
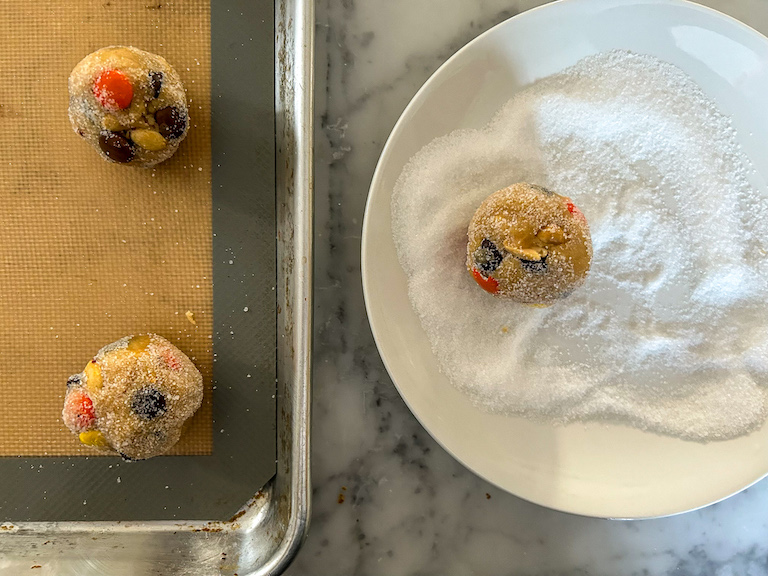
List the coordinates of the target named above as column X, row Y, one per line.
column 387, row 498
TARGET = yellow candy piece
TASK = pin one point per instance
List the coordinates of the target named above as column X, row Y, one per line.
column 93, row 438
column 93, row 378
column 148, row 139
column 139, row 343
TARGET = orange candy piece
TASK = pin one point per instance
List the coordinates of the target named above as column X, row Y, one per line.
column 171, row 360
column 574, row 210
column 113, row 90
column 489, row 284
column 79, row 404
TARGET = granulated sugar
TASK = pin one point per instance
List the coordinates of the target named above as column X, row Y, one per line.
column 669, row 333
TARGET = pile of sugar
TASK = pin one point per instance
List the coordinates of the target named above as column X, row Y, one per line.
column 669, row 333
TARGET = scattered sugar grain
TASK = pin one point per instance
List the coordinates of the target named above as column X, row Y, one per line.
column 669, row 333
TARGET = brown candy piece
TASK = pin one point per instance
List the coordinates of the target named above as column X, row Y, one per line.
column 116, row 146
column 155, row 83
column 171, row 121
column 148, row 403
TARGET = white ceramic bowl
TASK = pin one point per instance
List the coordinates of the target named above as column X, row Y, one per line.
column 592, row 469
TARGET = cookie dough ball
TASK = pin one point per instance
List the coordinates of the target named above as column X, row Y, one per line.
column 528, row 244
column 133, row 397
column 128, row 104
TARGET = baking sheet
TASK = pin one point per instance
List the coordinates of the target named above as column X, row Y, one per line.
column 92, row 251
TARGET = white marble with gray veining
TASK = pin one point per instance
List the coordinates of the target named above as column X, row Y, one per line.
column 408, row 507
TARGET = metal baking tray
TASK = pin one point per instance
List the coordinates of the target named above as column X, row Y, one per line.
column 265, row 533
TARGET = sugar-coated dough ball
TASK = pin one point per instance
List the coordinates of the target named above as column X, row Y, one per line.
column 133, row 397
column 128, row 104
column 528, row 244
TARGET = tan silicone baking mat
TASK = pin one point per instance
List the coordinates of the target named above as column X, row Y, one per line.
column 92, row 251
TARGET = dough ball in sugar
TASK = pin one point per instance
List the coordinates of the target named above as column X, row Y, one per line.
column 129, row 104
column 528, row 244
column 133, row 397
